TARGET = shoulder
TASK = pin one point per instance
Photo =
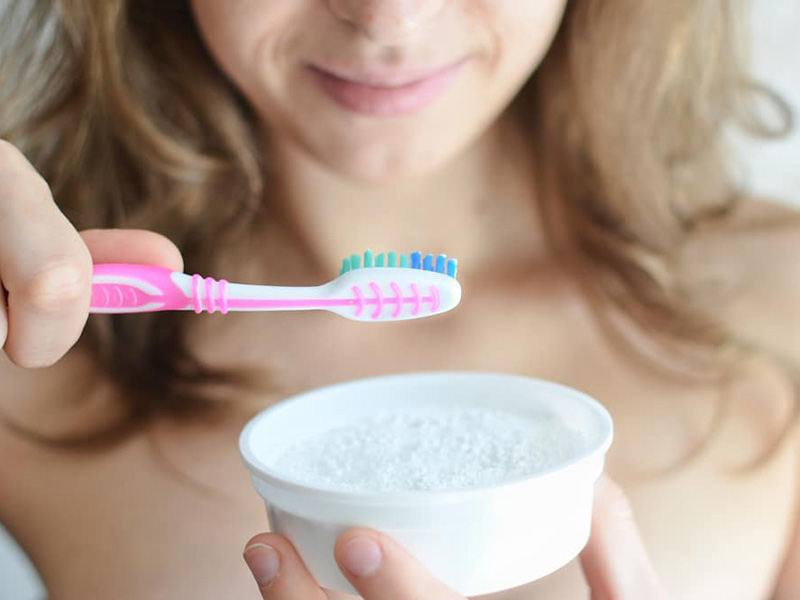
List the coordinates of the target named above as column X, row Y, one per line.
column 52, row 402
column 37, row 406
column 755, row 224
column 756, row 230
column 27, row 399
column 745, row 268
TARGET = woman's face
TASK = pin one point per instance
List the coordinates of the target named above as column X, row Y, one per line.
column 378, row 89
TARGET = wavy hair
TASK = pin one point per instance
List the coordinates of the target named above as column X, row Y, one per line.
column 119, row 106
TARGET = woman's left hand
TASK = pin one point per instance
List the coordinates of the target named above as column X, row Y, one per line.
column 377, row 567
column 614, row 561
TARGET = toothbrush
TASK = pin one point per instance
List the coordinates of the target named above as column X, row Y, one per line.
column 389, row 287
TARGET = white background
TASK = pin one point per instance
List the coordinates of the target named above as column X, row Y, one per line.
column 771, row 168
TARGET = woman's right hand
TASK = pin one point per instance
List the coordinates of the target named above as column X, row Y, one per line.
column 46, row 264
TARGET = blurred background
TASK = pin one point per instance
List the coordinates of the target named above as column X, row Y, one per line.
column 770, row 168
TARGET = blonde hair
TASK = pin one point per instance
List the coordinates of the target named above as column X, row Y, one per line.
column 120, row 108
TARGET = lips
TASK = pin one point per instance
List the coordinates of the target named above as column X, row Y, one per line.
column 385, row 93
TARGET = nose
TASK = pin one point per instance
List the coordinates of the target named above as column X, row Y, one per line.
column 386, row 20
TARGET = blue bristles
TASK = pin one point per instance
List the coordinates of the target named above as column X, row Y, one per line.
column 441, row 262
column 416, row 260
column 427, row 264
column 452, row 267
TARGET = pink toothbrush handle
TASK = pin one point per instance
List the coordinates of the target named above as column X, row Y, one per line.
column 120, row 288
column 392, row 294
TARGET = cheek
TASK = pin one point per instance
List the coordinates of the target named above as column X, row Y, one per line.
column 522, row 31
column 261, row 46
column 247, row 38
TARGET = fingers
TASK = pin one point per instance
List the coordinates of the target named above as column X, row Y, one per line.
column 45, row 267
column 279, row 571
column 615, row 561
column 375, row 565
column 380, row 569
column 132, row 246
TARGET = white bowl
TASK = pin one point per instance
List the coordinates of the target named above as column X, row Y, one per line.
column 476, row 540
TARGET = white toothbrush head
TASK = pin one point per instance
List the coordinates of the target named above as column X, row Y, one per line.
column 396, row 287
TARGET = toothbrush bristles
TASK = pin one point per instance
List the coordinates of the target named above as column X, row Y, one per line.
column 441, row 261
column 452, row 267
column 430, row 262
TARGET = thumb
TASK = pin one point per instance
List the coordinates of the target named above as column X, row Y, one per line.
column 134, row 246
column 615, row 561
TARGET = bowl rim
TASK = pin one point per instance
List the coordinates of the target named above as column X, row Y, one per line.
column 259, row 469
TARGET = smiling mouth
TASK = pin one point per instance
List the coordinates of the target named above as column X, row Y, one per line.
column 385, row 93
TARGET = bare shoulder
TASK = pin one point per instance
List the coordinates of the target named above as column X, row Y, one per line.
column 24, row 398
column 755, row 224
column 38, row 405
column 757, row 230
column 51, row 402
column 746, row 269
column 25, row 392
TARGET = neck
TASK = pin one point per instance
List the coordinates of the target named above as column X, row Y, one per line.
column 478, row 208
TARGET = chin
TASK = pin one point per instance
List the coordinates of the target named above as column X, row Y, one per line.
column 382, row 164
column 371, row 172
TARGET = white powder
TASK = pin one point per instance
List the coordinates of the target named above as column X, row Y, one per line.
column 435, row 449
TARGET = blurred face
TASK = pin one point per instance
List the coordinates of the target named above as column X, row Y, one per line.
column 378, row 89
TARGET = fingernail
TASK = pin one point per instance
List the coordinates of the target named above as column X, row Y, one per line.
column 361, row 556
column 264, row 562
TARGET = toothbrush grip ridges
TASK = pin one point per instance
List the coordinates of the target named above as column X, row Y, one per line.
column 209, row 294
column 122, row 288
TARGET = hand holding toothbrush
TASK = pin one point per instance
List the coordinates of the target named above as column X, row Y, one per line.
column 46, row 265
column 53, row 276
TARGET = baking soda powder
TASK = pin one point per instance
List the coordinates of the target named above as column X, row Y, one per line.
column 439, row 449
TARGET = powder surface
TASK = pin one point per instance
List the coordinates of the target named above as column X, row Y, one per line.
column 437, row 449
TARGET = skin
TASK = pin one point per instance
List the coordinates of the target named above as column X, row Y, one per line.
column 354, row 173
column 264, row 48
column 358, row 182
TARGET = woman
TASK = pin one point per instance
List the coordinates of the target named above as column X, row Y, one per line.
column 568, row 153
